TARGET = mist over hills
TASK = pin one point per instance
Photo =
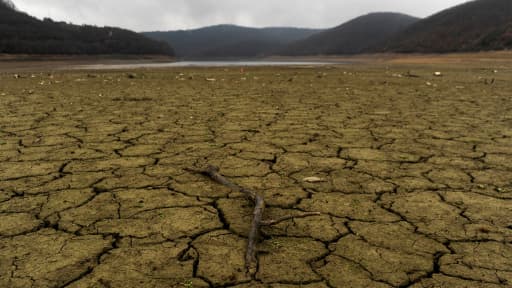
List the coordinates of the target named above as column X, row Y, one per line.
column 353, row 37
column 7, row 3
column 473, row 26
column 231, row 40
column 478, row 25
column 24, row 34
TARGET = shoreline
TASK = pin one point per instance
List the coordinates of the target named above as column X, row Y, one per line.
column 38, row 63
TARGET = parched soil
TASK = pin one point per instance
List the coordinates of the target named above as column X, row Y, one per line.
column 412, row 174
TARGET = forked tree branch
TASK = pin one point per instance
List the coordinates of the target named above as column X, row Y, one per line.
column 251, row 260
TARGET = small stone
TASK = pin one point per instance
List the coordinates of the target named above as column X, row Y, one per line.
column 438, row 74
column 313, row 179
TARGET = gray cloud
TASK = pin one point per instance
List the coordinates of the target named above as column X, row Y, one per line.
column 146, row 15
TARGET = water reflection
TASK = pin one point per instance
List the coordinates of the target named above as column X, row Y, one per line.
column 203, row 64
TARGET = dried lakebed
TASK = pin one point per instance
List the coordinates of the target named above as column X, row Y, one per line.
column 412, row 175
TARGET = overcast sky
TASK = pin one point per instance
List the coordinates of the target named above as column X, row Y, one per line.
column 148, row 15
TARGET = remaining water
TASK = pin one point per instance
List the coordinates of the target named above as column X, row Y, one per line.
column 203, row 64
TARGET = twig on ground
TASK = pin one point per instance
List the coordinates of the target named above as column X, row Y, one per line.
column 251, row 261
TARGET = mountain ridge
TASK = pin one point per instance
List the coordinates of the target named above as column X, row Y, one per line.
column 21, row 33
column 228, row 40
column 478, row 25
column 472, row 26
column 353, row 36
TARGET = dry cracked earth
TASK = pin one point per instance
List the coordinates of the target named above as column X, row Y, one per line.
column 412, row 177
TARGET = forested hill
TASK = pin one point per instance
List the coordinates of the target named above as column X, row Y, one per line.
column 24, row 34
column 473, row 26
column 352, row 37
column 230, row 40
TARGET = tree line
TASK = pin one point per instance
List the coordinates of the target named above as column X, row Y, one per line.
column 23, row 34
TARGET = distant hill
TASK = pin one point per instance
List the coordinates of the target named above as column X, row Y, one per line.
column 230, row 40
column 352, row 37
column 473, row 26
column 23, row 34
column 7, row 3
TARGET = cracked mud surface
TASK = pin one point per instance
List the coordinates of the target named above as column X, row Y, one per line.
column 413, row 177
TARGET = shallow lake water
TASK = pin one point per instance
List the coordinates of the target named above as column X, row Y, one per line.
column 204, row 64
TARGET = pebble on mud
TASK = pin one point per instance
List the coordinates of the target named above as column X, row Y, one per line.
column 313, row 179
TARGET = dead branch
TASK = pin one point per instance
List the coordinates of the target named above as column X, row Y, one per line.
column 213, row 172
column 257, row 221
column 250, row 255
